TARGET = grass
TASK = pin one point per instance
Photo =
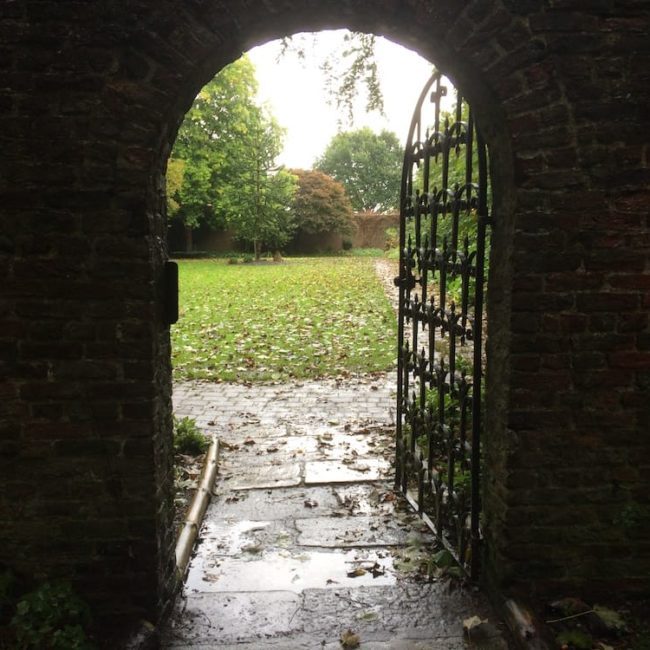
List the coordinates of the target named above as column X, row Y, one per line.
column 311, row 317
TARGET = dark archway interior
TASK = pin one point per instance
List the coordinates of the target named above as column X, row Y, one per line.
column 91, row 98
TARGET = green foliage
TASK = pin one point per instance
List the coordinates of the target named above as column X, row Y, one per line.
column 576, row 639
column 392, row 238
column 175, row 174
column 188, row 438
column 355, row 68
column 208, row 138
column 369, row 165
column 350, row 70
column 366, row 252
column 309, row 317
column 321, row 204
column 443, row 563
column 222, row 168
column 260, row 212
column 52, row 617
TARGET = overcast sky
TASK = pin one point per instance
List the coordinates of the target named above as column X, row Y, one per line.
column 295, row 91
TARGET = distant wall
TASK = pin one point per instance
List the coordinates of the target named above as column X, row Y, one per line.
column 321, row 242
column 204, row 238
column 371, row 229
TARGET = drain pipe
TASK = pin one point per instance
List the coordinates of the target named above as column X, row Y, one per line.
column 192, row 524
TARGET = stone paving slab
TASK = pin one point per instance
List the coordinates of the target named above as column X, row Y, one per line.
column 306, row 642
column 335, row 471
column 280, row 503
column 216, row 618
column 312, row 501
column 390, row 616
column 355, row 531
column 247, row 538
column 265, row 476
column 292, row 570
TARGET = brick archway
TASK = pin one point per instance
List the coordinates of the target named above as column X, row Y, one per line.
column 92, row 96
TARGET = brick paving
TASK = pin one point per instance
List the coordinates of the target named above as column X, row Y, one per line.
column 215, row 406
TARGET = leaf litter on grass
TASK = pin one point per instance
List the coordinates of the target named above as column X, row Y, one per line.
column 311, row 317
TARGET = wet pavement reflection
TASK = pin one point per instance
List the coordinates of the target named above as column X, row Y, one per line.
column 305, row 544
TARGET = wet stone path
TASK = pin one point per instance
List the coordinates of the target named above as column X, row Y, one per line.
column 305, row 545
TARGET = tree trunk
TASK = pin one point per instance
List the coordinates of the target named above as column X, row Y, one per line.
column 277, row 256
column 258, row 249
column 188, row 239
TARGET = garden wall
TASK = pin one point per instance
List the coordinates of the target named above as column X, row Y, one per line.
column 371, row 229
column 322, row 242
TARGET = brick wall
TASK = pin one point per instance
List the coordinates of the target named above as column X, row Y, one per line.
column 91, row 96
column 371, row 229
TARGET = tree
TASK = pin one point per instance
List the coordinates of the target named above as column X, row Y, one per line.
column 257, row 205
column 321, row 204
column 175, row 174
column 369, row 165
column 350, row 70
column 227, row 146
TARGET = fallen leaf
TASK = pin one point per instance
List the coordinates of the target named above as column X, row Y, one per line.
column 356, row 573
column 472, row 623
column 575, row 639
column 443, row 559
column 377, row 570
column 350, row 640
column 252, row 548
column 610, row 619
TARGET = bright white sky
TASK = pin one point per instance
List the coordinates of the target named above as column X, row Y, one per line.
column 295, row 92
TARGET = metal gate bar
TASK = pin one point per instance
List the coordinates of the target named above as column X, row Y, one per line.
column 443, row 219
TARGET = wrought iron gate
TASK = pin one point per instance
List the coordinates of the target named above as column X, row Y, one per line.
column 443, row 217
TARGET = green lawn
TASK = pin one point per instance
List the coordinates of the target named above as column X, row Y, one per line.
column 303, row 318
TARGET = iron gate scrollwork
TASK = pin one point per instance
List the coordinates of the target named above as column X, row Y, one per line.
column 444, row 213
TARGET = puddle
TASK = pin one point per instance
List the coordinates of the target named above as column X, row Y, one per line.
column 285, row 571
column 229, row 538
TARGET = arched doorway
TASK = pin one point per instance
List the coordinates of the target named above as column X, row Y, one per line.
column 163, row 60
column 88, row 411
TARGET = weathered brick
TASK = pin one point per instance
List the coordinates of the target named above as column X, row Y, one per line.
column 630, row 360
column 607, row 301
column 88, row 100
